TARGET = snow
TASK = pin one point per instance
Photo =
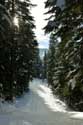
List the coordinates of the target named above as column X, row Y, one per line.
column 44, row 92
column 20, row 122
column 38, row 107
column 76, row 115
column 6, row 107
column 53, row 102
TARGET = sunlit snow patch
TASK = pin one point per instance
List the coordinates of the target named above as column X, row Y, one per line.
column 76, row 115
column 53, row 102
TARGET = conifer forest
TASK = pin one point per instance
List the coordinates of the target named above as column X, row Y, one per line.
column 65, row 55
column 18, row 47
column 41, row 62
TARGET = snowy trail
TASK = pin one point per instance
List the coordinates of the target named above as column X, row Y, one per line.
column 39, row 107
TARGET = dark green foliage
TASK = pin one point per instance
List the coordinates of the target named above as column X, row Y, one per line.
column 17, row 48
column 44, row 72
column 51, row 61
column 65, row 61
column 38, row 68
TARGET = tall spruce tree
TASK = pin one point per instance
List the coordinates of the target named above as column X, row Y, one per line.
column 45, row 65
column 17, row 47
column 66, row 24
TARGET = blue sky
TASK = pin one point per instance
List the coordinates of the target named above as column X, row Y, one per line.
column 38, row 13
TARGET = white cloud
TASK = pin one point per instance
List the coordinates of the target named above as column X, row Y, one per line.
column 38, row 13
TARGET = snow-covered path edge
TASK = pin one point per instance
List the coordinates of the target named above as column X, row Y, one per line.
column 55, row 104
column 52, row 102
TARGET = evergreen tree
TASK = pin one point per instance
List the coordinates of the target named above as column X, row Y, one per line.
column 45, row 65
column 17, row 47
column 38, row 65
column 66, row 24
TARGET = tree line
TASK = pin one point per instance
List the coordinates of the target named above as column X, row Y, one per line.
column 18, row 47
column 65, row 55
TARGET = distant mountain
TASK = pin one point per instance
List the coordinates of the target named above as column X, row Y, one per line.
column 42, row 52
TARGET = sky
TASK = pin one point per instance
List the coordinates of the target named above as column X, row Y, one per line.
column 38, row 13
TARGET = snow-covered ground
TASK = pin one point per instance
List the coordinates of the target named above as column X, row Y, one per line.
column 56, row 104
column 38, row 107
column 53, row 102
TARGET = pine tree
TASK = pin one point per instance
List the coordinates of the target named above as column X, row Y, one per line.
column 17, row 47
column 66, row 24
column 51, row 60
column 45, row 65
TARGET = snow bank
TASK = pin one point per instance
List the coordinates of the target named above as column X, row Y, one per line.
column 76, row 115
column 45, row 93
column 53, row 102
